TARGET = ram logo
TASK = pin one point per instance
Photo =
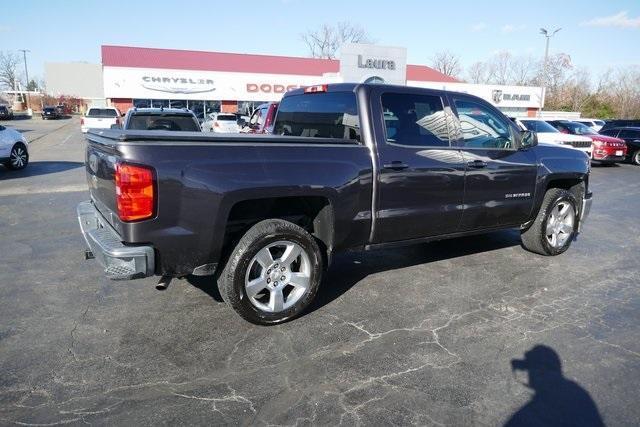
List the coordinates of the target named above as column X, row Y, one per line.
column 496, row 95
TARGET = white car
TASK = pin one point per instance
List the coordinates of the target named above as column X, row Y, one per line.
column 549, row 135
column 14, row 151
column 100, row 118
column 594, row 124
column 221, row 123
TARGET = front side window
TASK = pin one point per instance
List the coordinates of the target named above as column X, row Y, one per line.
column 481, row 127
column 415, row 120
column 320, row 115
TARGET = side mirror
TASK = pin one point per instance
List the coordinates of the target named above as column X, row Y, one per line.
column 529, row 139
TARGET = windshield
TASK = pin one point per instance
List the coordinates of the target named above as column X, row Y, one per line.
column 539, row 126
column 174, row 122
column 577, row 128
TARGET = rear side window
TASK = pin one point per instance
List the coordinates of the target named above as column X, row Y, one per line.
column 102, row 112
column 320, row 115
column 415, row 120
column 609, row 132
column 163, row 122
column 628, row 133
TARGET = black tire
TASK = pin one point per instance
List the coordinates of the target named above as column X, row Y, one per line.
column 534, row 238
column 231, row 282
column 18, row 149
column 635, row 158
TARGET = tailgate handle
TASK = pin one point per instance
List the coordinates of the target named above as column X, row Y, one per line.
column 477, row 164
column 396, row 165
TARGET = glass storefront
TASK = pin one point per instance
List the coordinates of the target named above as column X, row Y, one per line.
column 198, row 107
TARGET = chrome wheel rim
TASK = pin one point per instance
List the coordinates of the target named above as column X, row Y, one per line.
column 18, row 157
column 636, row 158
column 279, row 275
column 560, row 224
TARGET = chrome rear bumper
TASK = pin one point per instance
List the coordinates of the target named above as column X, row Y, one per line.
column 120, row 262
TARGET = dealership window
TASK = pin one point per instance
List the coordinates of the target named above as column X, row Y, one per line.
column 142, row 103
column 160, row 103
column 177, row 103
column 248, row 107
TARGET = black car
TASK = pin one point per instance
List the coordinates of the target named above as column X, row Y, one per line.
column 171, row 119
column 631, row 136
column 6, row 113
column 610, row 124
column 51, row 113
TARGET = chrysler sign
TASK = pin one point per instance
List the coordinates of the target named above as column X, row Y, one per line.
column 185, row 85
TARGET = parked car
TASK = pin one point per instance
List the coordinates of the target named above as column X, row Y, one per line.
column 14, row 149
column 610, row 124
column 606, row 149
column 221, row 123
column 550, row 135
column 170, row 119
column 262, row 119
column 50, row 113
column 631, row 136
column 6, row 113
column 100, row 118
column 594, row 124
column 364, row 166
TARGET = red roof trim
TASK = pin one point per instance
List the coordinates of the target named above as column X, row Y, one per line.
column 142, row 57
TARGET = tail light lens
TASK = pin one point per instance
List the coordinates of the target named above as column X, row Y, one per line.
column 117, row 121
column 134, row 192
column 82, row 121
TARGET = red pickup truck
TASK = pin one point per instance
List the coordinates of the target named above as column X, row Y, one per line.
column 262, row 119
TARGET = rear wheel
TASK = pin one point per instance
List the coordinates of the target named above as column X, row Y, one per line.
column 555, row 225
column 635, row 158
column 273, row 273
column 19, row 157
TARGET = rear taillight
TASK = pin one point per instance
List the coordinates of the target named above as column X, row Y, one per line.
column 82, row 121
column 117, row 121
column 134, row 192
column 316, row 88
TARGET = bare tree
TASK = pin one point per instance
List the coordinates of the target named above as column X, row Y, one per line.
column 522, row 70
column 478, row 73
column 9, row 63
column 447, row 63
column 325, row 41
column 500, row 68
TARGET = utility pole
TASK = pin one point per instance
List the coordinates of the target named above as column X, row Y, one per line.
column 543, row 81
column 26, row 71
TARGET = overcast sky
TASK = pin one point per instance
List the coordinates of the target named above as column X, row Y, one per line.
column 596, row 34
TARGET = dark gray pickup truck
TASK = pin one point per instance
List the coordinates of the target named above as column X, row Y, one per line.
column 350, row 166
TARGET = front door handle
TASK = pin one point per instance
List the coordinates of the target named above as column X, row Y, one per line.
column 396, row 165
column 477, row 164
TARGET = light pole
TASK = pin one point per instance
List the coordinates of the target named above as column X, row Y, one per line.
column 543, row 81
column 26, row 71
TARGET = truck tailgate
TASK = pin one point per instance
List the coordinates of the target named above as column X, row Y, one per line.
column 100, row 164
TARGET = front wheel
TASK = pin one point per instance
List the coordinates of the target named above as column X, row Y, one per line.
column 555, row 225
column 273, row 273
column 635, row 158
column 19, row 157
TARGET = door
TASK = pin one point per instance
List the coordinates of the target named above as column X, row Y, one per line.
column 420, row 178
column 500, row 178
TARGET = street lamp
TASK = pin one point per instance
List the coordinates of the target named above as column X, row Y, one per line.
column 543, row 81
column 26, row 71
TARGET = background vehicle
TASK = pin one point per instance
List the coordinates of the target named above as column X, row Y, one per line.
column 620, row 123
column 6, row 113
column 365, row 167
column 50, row 113
column 631, row 136
column 170, row 119
column 550, row 135
column 606, row 149
column 221, row 123
column 100, row 118
column 14, row 149
column 594, row 124
column 262, row 119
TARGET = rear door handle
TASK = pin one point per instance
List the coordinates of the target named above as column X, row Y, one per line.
column 477, row 164
column 396, row 165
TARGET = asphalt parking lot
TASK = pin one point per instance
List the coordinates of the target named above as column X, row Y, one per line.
column 426, row 334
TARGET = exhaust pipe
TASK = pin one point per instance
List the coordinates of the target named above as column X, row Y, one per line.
column 164, row 282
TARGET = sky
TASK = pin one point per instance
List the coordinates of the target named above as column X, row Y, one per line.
column 598, row 35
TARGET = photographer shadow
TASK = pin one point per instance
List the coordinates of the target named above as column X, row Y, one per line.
column 557, row 401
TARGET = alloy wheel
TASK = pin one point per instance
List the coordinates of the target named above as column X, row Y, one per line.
column 18, row 157
column 560, row 224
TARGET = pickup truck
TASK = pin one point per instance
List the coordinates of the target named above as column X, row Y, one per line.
column 100, row 118
column 349, row 167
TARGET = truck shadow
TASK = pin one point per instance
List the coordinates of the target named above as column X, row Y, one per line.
column 350, row 268
column 38, row 168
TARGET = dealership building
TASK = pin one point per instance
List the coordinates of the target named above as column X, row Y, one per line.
column 231, row 82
